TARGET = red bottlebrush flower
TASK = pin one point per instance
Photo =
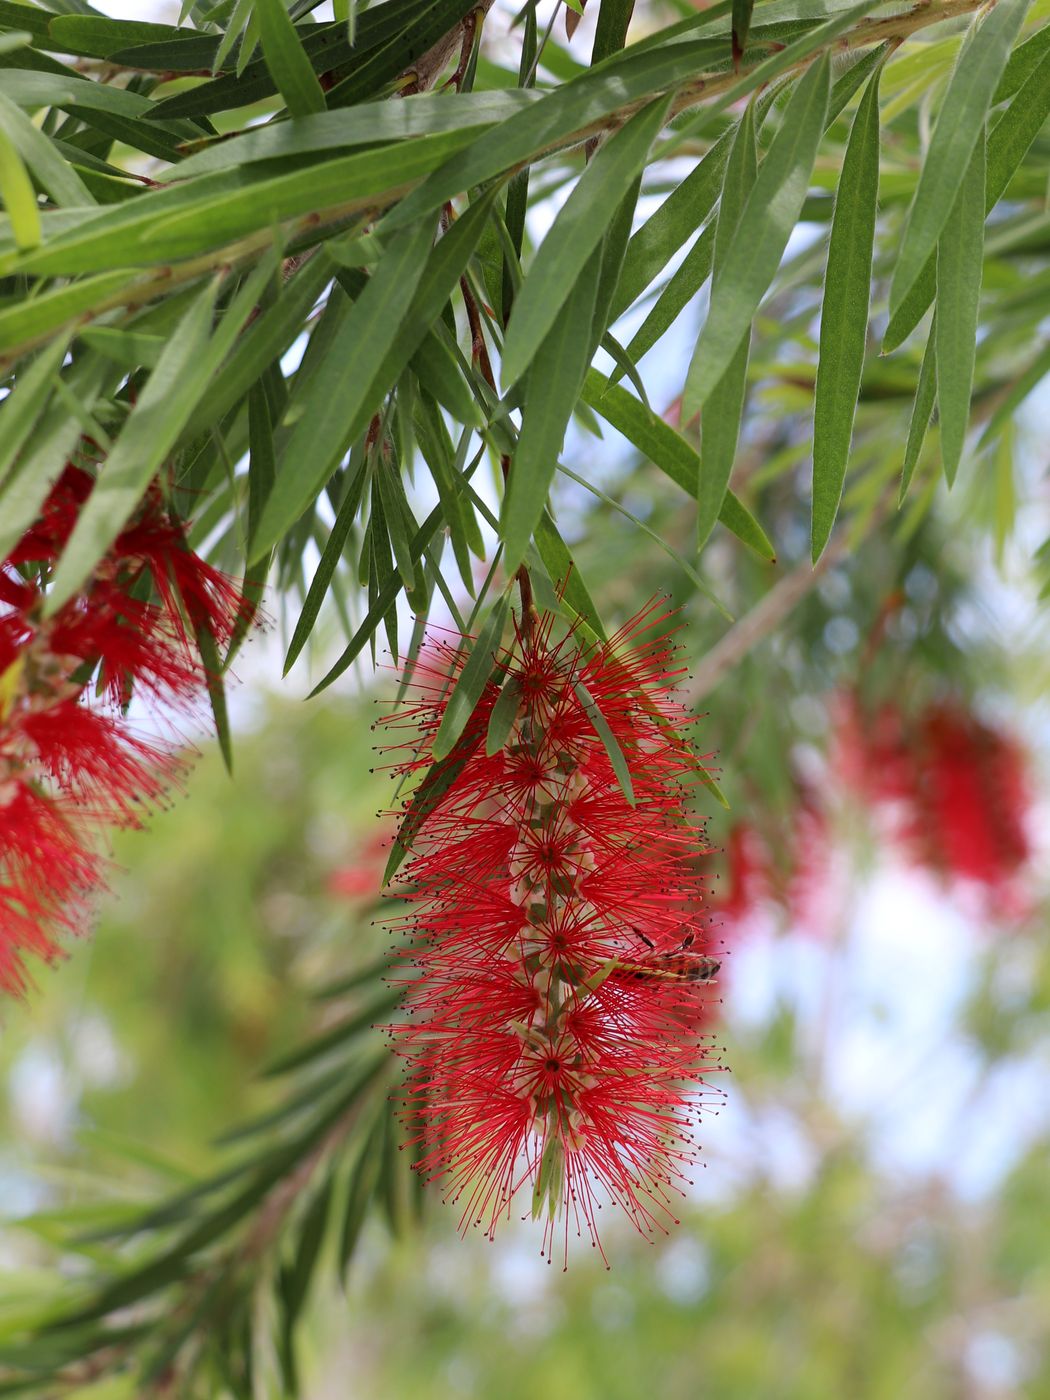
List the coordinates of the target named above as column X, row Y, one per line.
column 363, row 879
column 970, row 799
column 954, row 791
column 71, row 767
column 557, row 931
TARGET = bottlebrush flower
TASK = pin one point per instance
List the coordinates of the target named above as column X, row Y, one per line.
column 71, row 765
column 969, row 800
column 552, row 1033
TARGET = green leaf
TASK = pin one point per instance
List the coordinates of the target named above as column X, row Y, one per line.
column 96, row 36
column 614, row 247
column 407, row 40
column 268, row 337
column 130, row 350
column 679, row 216
column 552, row 389
column 184, row 220
column 423, row 114
column 960, row 124
column 669, row 451
column 543, row 297
column 504, row 713
column 360, row 1189
column 720, row 427
column 1022, row 63
column 147, row 437
column 29, row 321
column 695, row 578
column 403, row 333
column 262, row 465
column 438, row 370
column 1008, row 143
column 211, row 660
column 678, row 292
column 844, row 314
column 235, row 27
column 546, row 1194
column 380, row 606
column 56, row 176
column 18, row 195
column 741, row 25
column 472, row 680
column 335, row 403
column 330, row 557
column 608, row 738
column 1034, row 373
column 559, row 563
column 53, row 441
column 960, row 259
column 770, row 215
column 922, row 411
column 575, row 107
column 610, row 33
column 20, row 410
column 289, row 66
column 783, row 58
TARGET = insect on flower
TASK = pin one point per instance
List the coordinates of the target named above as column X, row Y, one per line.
column 681, row 963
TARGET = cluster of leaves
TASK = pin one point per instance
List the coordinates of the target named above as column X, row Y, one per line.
column 254, row 256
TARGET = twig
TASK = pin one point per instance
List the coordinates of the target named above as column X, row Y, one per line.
column 765, row 617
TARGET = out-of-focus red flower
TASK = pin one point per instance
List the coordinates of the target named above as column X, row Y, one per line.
column 557, row 934
column 71, row 764
column 950, row 791
column 970, row 799
column 363, row 877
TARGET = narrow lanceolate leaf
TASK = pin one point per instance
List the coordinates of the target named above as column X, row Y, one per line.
column 334, row 404
column 844, row 314
column 720, row 429
column 504, row 713
column 741, row 24
column 552, row 389
column 52, row 442
column 610, row 33
column 676, row 220
column 1008, row 143
column 17, row 195
column 769, row 216
column 472, row 680
column 669, row 450
column 21, row 409
column 56, row 176
column 609, row 740
column 677, row 293
column 960, row 256
column 960, row 123
column 148, row 436
column 289, row 66
column 573, row 237
column 211, row 660
column 922, row 411
column 329, row 562
column 556, row 558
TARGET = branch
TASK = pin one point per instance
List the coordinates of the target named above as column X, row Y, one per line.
column 765, row 617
